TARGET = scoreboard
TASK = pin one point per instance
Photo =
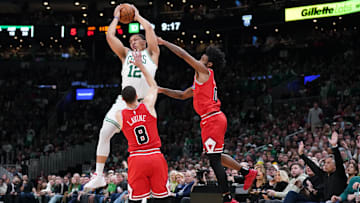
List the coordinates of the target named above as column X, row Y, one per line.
column 25, row 30
column 81, row 31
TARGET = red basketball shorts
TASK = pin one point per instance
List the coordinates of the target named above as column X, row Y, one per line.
column 213, row 129
column 148, row 174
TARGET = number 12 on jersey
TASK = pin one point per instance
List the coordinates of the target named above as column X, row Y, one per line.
column 133, row 72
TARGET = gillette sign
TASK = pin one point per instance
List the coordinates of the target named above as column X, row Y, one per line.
column 322, row 10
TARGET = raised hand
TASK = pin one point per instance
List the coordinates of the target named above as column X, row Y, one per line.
column 137, row 14
column 355, row 186
column 301, row 148
column 137, row 59
column 335, row 198
column 271, row 192
column 334, row 139
column 117, row 11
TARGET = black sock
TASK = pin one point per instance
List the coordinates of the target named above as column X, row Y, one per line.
column 161, row 200
column 227, row 197
column 132, row 201
column 215, row 163
column 244, row 171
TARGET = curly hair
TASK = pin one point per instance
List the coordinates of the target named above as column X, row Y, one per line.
column 216, row 56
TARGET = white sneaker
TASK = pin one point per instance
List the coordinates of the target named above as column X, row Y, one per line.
column 95, row 182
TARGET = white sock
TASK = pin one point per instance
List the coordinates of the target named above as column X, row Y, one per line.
column 99, row 168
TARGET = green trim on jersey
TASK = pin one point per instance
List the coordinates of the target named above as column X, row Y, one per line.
column 113, row 122
column 147, row 52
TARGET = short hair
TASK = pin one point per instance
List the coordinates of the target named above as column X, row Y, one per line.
column 216, row 56
column 141, row 36
column 129, row 94
column 330, row 156
column 296, row 163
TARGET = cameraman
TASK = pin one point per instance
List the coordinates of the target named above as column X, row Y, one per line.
column 201, row 176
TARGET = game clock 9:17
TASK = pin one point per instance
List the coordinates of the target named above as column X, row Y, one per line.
column 172, row 26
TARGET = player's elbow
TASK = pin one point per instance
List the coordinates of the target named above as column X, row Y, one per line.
column 110, row 36
column 183, row 96
column 147, row 25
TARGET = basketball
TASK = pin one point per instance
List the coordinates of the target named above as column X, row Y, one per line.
column 127, row 13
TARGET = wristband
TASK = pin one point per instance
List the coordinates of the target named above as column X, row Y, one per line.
column 117, row 18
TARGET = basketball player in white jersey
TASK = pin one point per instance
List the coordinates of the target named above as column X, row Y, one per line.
column 131, row 76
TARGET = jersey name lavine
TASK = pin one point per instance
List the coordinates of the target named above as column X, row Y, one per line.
column 136, row 118
column 132, row 75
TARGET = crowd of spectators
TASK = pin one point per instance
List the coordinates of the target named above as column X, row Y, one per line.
column 262, row 133
column 69, row 188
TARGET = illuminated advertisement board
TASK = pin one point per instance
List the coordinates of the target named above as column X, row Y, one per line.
column 322, row 10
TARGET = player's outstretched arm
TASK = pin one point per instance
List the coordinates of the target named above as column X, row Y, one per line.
column 150, row 35
column 151, row 96
column 115, row 44
column 177, row 94
column 180, row 52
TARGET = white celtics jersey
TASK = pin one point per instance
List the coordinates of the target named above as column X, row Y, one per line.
column 132, row 75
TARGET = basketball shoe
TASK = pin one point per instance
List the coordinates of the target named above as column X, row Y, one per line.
column 95, row 182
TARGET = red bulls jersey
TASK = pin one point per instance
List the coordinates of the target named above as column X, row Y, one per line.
column 140, row 128
column 205, row 96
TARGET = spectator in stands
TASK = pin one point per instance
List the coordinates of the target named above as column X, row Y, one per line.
column 121, row 188
column 232, row 176
column 260, row 185
column 210, row 178
column 313, row 187
column 113, row 191
column 59, row 190
column 351, row 171
column 315, row 117
column 13, row 191
column 333, row 173
column 295, row 184
column 6, row 179
column 183, row 195
column 27, row 190
column 281, row 180
column 3, row 189
column 172, row 180
column 66, row 181
column 271, row 172
column 74, row 189
column 349, row 193
column 40, row 190
column 180, row 180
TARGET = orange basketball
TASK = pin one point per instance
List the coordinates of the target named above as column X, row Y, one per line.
column 127, row 13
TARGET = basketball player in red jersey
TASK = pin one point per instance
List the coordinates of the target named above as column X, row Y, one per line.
column 207, row 105
column 148, row 170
